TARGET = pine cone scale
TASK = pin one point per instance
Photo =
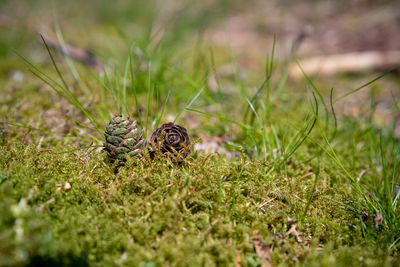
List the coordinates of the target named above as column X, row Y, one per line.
column 115, row 140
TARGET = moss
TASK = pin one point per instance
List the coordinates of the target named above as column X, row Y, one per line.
column 152, row 212
column 206, row 211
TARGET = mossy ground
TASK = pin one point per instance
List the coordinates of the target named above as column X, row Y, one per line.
column 73, row 209
column 199, row 213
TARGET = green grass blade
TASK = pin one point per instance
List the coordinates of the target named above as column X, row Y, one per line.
column 132, row 78
column 396, row 104
column 65, row 92
column 244, row 126
column 189, row 104
column 333, row 114
column 124, row 86
column 54, row 64
column 361, row 87
column 161, row 114
column 69, row 62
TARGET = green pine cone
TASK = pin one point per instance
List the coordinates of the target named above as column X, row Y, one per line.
column 123, row 137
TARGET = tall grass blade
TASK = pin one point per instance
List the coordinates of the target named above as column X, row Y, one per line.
column 244, row 126
column 132, row 77
column 189, row 104
column 361, row 87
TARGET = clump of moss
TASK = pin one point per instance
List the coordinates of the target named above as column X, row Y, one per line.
column 202, row 212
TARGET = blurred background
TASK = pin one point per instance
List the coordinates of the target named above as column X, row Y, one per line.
column 340, row 44
column 313, row 27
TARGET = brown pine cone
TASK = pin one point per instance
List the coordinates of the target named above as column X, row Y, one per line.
column 170, row 139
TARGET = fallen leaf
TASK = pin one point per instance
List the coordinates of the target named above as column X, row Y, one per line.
column 262, row 250
column 293, row 230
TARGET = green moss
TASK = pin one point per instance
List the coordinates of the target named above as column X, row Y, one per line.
column 206, row 211
column 197, row 213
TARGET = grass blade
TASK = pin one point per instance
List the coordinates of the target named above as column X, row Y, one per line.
column 361, row 87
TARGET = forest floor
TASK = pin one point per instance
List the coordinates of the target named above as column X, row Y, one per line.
column 287, row 168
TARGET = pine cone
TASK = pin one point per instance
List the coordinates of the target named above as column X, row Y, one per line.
column 123, row 137
column 170, row 139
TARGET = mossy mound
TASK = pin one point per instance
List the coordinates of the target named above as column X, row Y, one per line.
column 204, row 212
